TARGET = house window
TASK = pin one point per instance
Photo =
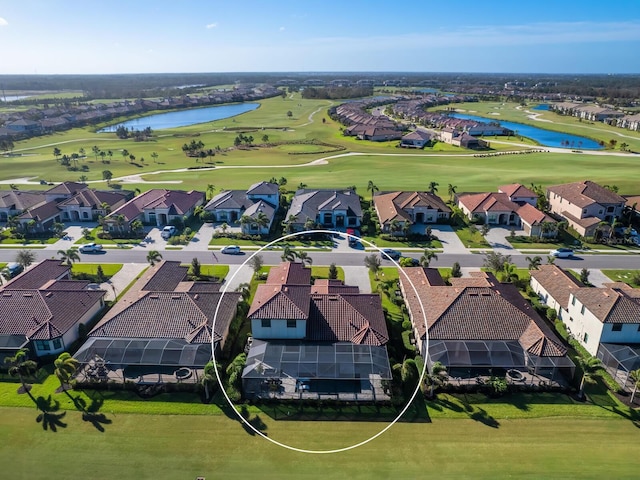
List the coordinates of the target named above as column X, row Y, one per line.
column 291, row 324
column 639, row 328
column 571, row 319
column 616, row 327
column 610, row 209
column 584, row 211
column 582, row 310
column 266, row 323
column 573, row 300
column 56, row 343
column 42, row 345
column 585, row 339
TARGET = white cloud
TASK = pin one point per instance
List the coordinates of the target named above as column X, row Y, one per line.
column 212, row 25
column 282, row 29
column 3, row 22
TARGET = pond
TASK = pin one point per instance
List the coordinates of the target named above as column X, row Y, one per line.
column 184, row 118
column 547, row 138
column 542, row 106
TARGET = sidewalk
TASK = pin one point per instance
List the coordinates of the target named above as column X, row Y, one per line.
column 127, row 274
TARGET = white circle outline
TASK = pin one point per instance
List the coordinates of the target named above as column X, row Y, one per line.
column 284, row 445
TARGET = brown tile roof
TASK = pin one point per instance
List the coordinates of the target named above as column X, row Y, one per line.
column 280, row 301
column 611, row 305
column 179, row 202
column 166, row 277
column 355, row 318
column 393, row 205
column 532, row 216
column 585, row 193
column 487, row 202
column 290, row 273
column 44, row 314
column 90, row 198
column 517, row 190
column 559, row 283
column 187, row 316
column 39, row 275
column 323, row 285
column 41, row 212
column 66, row 188
column 491, row 312
column 17, row 200
column 583, row 222
column 632, row 200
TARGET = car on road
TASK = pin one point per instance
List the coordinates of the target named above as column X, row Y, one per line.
column 12, row 269
column 91, row 248
column 562, row 253
column 231, row 250
column 168, row 231
column 390, row 254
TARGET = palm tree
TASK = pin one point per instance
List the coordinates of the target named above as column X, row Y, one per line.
column 65, row 367
column 245, row 289
column 153, row 256
column 589, row 366
column 426, row 258
column 261, row 220
column 25, row 258
column 510, row 273
column 109, row 154
column 551, row 260
column 305, row 258
column 210, row 189
column 452, row 191
column 635, row 376
column 302, row 186
column 433, row 187
column 372, row 262
column 69, row 256
column 372, row 187
column 438, row 372
column 154, row 155
column 287, row 225
column 288, row 254
column 534, row 263
column 209, row 378
column 20, row 366
column 124, row 153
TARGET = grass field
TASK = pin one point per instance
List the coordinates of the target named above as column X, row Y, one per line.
column 168, row 447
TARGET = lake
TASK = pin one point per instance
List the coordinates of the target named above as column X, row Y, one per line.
column 184, row 118
column 544, row 137
column 542, row 106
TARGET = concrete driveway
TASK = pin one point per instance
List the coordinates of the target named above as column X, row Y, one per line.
column 127, row 274
column 497, row 238
column 201, row 239
column 451, row 243
column 359, row 277
column 73, row 234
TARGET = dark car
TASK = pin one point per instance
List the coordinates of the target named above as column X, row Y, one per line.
column 390, row 254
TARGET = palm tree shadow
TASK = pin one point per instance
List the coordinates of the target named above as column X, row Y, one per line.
column 49, row 416
column 256, row 422
column 91, row 413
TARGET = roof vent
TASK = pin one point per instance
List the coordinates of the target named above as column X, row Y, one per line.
column 28, row 295
column 153, row 296
column 176, row 297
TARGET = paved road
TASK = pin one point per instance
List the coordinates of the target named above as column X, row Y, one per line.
column 340, row 258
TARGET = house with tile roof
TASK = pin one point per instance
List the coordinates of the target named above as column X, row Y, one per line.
column 554, row 287
column 88, row 204
column 161, row 331
column 513, row 205
column 42, row 309
column 156, row 207
column 326, row 208
column 416, row 208
column 417, row 139
column 584, row 205
column 477, row 324
column 262, row 198
column 14, row 202
column 314, row 323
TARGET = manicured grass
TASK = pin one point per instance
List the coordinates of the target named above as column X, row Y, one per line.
column 626, row 276
column 219, row 271
column 323, row 272
column 471, row 237
column 402, row 243
column 151, row 446
column 109, row 269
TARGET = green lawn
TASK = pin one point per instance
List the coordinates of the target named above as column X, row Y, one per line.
column 402, row 243
column 471, row 237
column 168, row 446
column 109, row 269
column 323, row 272
column 626, row 276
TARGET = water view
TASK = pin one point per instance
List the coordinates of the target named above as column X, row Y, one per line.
column 544, row 137
column 184, row 118
column 542, row 106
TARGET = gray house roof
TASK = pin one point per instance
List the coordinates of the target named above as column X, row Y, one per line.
column 306, row 204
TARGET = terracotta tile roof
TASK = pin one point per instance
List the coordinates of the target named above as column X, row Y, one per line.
column 390, row 206
column 355, row 318
column 290, row 273
column 491, row 312
column 532, row 216
column 39, row 275
column 187, row 316
column 632, row 200
column 586, row 193
column 559, row 283
column 583, row 222
column 611, row 305
column 487, row 202
column 325, row 286
column 280, row 301
column 517, row 190
column 44, row 314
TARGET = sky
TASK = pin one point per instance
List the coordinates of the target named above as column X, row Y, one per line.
column 142, row 36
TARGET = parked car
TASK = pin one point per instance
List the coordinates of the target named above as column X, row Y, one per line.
column 168, row 231
column 390, row 254
column 231, row 250
column 12, row 269
column 562, row 253
column 90, row 248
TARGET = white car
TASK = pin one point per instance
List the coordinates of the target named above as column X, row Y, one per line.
column 168, row 231
column 562, row 253
column 90, row 248
column 231, row 250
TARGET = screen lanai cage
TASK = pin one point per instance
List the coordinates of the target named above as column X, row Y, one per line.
column 313, row 370
column 469, row 359
column 620, row 360
column 142, row 360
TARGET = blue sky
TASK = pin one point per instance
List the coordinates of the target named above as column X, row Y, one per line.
column 141, row 36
